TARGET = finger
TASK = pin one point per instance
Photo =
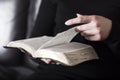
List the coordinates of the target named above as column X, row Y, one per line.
column 58, row 63
column 55, row 62
column 52, row 62
column 90, row 32
column 83, row 27
column 46, row 60
column 93, row 38
column 79, row 19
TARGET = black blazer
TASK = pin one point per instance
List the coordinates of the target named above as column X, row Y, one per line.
column 53, row 14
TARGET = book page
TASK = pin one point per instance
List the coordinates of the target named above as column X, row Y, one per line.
column 60, row 38
column 68, row 47
column 37, row 42
column 32, row 43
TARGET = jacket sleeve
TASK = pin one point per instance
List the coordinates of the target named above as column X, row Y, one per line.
column 113, row 41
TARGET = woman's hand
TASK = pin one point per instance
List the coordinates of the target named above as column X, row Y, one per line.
column 46, row 60
column 49, row 61
column 95, row 28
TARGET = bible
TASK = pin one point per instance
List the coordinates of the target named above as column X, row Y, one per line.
column 58, row 48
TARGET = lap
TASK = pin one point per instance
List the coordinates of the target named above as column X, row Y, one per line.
column 6, row 73
column 86, row 71
column 90, row 70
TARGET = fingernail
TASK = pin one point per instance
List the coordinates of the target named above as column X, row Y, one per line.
column 77, row 30
column 77, row 14
column 67, row 23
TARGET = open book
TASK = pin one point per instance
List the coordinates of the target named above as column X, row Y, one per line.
column 58, row 48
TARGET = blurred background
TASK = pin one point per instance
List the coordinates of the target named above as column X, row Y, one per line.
column 17, row 19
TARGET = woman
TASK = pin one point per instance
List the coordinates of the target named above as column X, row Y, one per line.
column 98, row 24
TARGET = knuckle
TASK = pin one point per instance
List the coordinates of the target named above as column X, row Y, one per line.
column 98, row 31
column 95, row 24
column 98, row 37
column 79, row 20
column 94, row 17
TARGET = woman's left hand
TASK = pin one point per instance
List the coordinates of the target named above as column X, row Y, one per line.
column 50, row 61
column 94, row 28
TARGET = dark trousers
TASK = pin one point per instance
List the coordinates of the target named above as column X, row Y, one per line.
column 91, row 70
column 6, row 73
